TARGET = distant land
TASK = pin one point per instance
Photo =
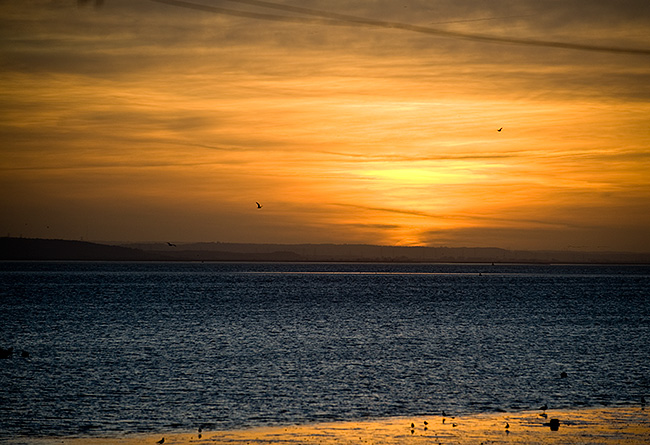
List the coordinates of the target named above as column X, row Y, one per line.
column 35, row 249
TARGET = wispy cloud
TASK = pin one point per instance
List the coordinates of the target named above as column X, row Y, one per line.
column 346, row 134
column 369, row 157
column 344, row 19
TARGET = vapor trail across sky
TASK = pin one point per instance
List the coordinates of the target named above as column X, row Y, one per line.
column 334, row 19
column 365, row 122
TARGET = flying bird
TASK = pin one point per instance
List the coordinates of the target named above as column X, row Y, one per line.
column 171, row 244
column 500, row 129
column 259, row 206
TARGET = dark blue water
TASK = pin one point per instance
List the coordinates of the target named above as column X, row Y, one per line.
column 144, row 347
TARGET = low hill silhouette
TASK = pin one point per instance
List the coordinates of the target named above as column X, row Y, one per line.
column 56, row 249
column 48, row 249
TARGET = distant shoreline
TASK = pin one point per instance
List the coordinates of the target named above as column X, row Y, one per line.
column 36, row 249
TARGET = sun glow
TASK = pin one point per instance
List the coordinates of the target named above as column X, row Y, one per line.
column 346, row 134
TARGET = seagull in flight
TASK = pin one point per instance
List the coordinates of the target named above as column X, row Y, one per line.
column 171, row 244
column 259, row 206
column 499, row 130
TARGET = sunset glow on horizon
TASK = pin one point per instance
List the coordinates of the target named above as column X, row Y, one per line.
column 144, row 121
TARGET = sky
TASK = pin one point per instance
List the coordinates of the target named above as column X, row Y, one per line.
column 371, row 121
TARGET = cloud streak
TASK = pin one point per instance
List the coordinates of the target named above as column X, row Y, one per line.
column 461, row 216
column 335, row 19
column 349, row 129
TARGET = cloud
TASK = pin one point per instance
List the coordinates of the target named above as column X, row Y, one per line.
column 350, row 130
column 344, row 19
column 370, row 157
column 622, row 238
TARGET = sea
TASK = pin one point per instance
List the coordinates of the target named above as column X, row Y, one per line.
column 113, row 348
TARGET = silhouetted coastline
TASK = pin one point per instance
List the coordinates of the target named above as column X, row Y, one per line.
column 36, row 249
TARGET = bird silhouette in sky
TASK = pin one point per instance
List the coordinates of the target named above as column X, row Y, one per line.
column 499, row 130
column 171, row 244
column 259, row 206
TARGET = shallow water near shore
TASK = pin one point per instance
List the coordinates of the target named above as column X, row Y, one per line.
column 603, row 426
column 132, row 348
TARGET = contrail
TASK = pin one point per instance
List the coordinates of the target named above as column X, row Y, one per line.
column 480, row 19
column 335, row 19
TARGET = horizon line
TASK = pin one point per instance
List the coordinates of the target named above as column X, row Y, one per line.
column 568, row 249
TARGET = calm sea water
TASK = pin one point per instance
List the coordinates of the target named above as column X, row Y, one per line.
column 150, row 347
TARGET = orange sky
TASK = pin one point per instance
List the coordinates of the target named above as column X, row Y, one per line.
column 143, row 121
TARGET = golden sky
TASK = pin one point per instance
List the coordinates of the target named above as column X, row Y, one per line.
column 351, row 122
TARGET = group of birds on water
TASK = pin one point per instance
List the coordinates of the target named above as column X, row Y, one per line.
column 161, row 441
column 554, row 424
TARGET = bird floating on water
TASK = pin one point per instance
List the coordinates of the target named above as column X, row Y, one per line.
column 161, row 441
column 259, row 206
column 6, row 353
